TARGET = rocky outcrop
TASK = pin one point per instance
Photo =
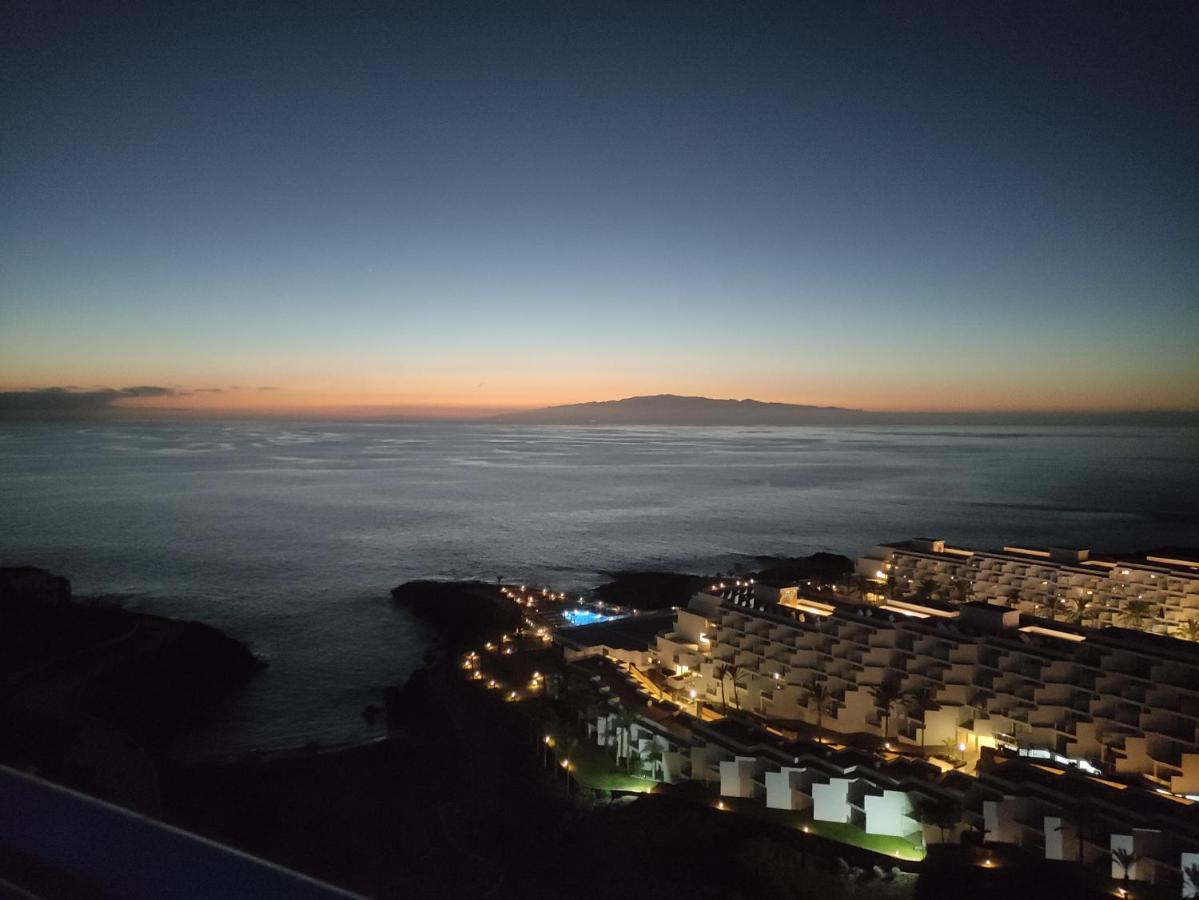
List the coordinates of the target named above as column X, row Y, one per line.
column 29, row 584
column 461, row 612
column 96, row 693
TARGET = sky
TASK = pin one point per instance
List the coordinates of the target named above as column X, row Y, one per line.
column 445, row 206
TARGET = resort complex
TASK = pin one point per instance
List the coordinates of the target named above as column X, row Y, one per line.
column 909, row 714
column 1154, row 593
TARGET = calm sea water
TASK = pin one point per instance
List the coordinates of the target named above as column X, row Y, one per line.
column 290, row 535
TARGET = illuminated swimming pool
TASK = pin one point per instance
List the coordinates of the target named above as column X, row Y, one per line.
column 584, row 617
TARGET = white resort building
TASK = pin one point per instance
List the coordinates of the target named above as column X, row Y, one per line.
column 1032, row 726
column 1158, row 594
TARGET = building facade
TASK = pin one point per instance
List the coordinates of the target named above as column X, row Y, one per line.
column 1158, row 594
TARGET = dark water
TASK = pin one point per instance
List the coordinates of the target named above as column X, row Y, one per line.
column 290, row 535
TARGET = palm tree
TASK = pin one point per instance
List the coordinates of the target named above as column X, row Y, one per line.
column 1188, row 630
column 721, row 672
column 1083, row 815
column 1135, row 612
column 1081, row 605
column 885, row 696
column 737, row 672
column 1125, row 859
column 1013, row 597
column 926, row 589
column 652, row 758
column 1050, row 605
column 626, row 719
column 959, row 591
column 922, row 701
column 943, row 814
column 818, row 693
column 855, row 587
column 567, row 745
column 1191, row 876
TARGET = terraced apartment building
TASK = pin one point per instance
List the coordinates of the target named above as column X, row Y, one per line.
column 1154, row 593
column 953, row 679
column 1067, row 742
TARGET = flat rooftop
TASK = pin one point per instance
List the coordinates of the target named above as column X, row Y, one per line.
column 1172, row 560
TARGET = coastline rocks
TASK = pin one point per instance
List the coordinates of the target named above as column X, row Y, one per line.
column 43, row 629
column 461, row 612
column 29, row 584
column 650, row 590
column 97, row 693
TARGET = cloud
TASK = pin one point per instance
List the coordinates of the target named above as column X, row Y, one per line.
column 268, row 389
column 66, row 403
column 208, row 391
column 146, row 391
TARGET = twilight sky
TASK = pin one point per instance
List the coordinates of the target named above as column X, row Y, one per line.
column 445, row 205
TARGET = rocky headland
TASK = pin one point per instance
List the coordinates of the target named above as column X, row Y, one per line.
column 94, row 694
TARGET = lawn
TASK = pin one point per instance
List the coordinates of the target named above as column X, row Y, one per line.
column 594, row 768
column 834, row 831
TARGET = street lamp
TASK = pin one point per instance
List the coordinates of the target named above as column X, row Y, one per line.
column 694, row 696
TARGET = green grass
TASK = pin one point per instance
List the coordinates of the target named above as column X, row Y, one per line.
column 594, row 768
column 842, row 832
column 879, row 843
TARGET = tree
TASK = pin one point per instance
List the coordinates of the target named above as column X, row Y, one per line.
column 938, row 813
column 567, row 745
column 1083, row 816
column 1135, row 613
column 855, row 587
column 816, row 692
column 731, row 671
column 959, row 590
column 1081, row 605
column 1050, row 605
column 1191, row 876
column 925, row 589
column 1125, row 859
column 652, row 758
column 626, row 719
column 1188, row 630
column 1013, row 597
column 921, row 700
column 720, row 670
column 886, row 695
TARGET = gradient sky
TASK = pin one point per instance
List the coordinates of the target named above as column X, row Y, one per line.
column 500, row 204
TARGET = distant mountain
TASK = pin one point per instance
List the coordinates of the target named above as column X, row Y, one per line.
column 670, row 409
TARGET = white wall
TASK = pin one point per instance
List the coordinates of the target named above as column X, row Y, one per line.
column 736, row 777
column 830, row 802
column 890, row 814
column 786, row 790
column 1124, row 842
column 1061, row 839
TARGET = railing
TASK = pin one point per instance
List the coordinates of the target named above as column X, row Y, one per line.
column 126, row 855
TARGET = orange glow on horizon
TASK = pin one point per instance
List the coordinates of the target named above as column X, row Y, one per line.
column 365, row 404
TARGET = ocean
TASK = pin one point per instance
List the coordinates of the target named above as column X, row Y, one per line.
column 289, row 535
